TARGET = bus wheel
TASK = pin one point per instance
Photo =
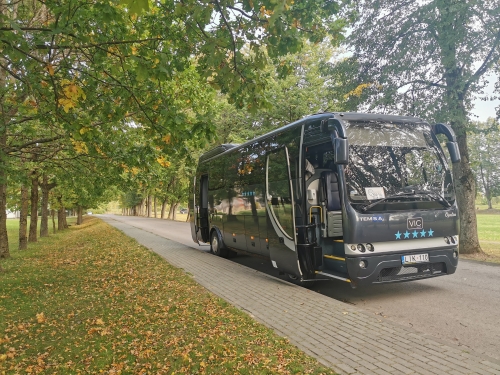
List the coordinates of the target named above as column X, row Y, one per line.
column 297, row 281
column 215, row 245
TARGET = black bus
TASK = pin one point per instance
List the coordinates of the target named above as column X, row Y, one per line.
column 363, row 198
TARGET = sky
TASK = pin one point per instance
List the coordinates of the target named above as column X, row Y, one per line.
column 483, row 109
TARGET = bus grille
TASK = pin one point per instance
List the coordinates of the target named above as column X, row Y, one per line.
column 411, row 272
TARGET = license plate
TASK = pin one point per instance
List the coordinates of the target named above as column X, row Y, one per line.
column 416, row 258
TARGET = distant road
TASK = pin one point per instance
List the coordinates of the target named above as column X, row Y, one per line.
column 463, row 308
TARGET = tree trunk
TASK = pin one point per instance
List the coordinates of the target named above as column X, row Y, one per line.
column 170, row 211
column 141, row 207
column 53, row 214
column 46, row 187
column 79, row 219
column 488, row 199
column 148, row 205
column 163, row 206
column 154, row 205
column 23, row 218
column 60, row 219
column 174, row 214
column 465, row 185
column 34, row 209
column 4, row 238
column 65, row 223
column 61, row 214
column 4, row 117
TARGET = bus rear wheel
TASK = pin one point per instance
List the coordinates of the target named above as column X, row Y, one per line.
column 216, row 246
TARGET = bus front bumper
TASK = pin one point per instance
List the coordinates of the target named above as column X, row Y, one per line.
column 388, row 268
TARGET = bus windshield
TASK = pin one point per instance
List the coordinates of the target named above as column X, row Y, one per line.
column 394, row 167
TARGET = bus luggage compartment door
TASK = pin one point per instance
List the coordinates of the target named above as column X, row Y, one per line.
column 280, row 213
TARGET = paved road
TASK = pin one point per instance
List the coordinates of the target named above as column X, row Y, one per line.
column 463, row 309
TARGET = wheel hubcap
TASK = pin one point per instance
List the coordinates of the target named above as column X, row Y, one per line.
column 215, row 244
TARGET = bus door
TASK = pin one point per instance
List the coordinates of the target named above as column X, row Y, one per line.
column 202, row 222
column 280, row 217
column 194, row 214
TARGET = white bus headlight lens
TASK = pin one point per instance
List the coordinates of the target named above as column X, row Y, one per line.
column 361, row 248
column 362, row 264
column 369, row 247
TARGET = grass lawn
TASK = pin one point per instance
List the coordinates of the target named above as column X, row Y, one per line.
column 488, row 227
column 91, row 300
column 13, row 230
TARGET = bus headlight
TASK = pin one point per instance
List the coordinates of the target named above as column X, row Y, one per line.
column 369, row 247
column 362, row 264
column 361, row 248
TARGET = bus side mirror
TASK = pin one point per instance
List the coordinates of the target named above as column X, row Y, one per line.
column 454, row 151
column 341, row 150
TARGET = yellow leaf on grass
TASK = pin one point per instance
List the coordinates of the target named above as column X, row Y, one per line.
column 40, row 318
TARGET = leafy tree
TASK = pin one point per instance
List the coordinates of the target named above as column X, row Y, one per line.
column 485, row 154
column 425, row 59
column 79, row 72
column 291, row 97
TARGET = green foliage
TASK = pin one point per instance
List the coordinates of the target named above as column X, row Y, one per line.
column 119, row 93
column 424, row 59
column 484, row 146
column 299, row 93
column 420, row 58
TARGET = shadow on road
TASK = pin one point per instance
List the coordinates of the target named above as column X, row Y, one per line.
column 340, row 290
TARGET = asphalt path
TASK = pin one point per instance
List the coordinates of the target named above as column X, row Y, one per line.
column 463, row 308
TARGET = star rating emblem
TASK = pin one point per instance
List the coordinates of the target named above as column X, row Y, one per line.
column 431, row 232
column 415, row 234
column 422, row 234
column 407, row 234
column 398, row 235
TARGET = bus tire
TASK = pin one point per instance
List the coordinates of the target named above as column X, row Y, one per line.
column 216, row 246
column 297, row 281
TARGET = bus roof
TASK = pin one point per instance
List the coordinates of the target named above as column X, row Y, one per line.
column 317, row 119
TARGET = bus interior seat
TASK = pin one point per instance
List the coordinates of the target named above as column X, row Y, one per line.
column 330, row 196
column 331, row 191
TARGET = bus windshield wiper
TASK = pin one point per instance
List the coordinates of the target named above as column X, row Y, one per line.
column 398, row 195
column 411, row 194
column 434, row 196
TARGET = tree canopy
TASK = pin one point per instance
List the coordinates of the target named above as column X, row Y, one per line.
column 78, row 79
column 425, row 59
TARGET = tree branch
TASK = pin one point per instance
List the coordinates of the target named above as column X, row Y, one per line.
column 487, row 63
column 231, row 32
column 41, row 140
column 93, row 45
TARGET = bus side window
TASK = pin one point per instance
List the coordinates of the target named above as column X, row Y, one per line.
column 278, row 189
